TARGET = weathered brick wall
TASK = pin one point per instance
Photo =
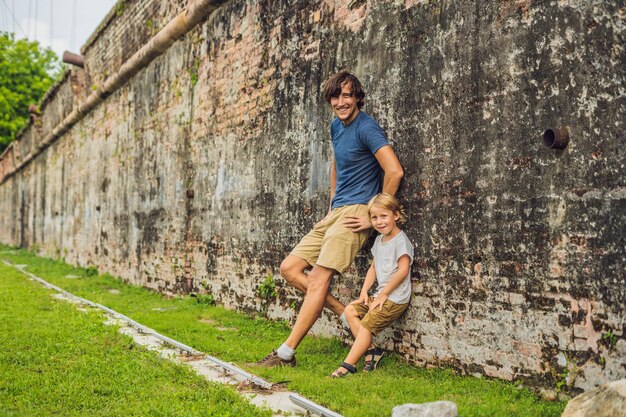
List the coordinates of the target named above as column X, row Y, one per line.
column 205, row 169
column 129, row 25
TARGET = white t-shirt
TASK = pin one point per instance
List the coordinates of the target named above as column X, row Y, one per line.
column 386, row 255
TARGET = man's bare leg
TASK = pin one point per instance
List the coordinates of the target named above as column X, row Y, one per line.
column 292, row 269
column 319, row 283
column 314, row 298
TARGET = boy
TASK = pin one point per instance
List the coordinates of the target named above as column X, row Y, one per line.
column 391, row 267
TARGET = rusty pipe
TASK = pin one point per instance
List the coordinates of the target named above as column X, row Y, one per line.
column 159, row 43
column 74, row 59
column 556, row 138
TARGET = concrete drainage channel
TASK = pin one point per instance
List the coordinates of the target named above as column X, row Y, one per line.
column 258, row 391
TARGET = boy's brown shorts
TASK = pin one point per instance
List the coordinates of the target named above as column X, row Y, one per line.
column 377, row 320
column 332, row 245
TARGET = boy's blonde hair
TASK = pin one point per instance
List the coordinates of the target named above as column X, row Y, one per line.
column 388, row 202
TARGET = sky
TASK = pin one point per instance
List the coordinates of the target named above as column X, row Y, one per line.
column 67, row 27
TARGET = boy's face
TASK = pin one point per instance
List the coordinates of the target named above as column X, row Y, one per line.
column 383, row 220
column 344, row 105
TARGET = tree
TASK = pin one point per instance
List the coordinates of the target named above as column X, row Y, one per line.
column 26, row 72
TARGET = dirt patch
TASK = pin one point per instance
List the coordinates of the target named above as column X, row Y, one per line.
column 227, row 329
column 191, row 358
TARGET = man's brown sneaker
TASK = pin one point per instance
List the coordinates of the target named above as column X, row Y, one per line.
column 273, row 360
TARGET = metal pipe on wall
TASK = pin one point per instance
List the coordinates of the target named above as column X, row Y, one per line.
column 159, row 43
column 74, row 59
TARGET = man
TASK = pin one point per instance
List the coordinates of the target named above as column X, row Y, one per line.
column 363, row 161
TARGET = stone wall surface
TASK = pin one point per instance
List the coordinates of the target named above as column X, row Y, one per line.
column 202, row 171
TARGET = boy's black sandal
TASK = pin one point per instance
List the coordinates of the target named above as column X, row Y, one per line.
column 350, row 369
column 372, row 359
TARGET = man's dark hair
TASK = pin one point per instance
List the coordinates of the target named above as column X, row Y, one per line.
column 334, row 83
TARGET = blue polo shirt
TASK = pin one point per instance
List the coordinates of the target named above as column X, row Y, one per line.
column 359, row 176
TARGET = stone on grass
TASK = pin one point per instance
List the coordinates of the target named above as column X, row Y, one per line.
column 436, row 409
column 608, row 400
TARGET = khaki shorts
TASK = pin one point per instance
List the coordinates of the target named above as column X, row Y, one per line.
column 377, row 320
column 330, row 244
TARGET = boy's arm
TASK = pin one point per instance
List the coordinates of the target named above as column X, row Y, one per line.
column 391, row 167
column 404, row 263
column 367, row 284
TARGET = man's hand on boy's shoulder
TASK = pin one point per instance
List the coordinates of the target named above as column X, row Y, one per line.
column 357, row 223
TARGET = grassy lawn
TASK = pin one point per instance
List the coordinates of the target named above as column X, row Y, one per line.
column 55, row 360
column 233, row 337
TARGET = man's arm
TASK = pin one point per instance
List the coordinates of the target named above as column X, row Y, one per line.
column 393, row 173
column 392, row 169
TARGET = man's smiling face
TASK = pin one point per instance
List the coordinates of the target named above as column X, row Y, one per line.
column 344, row 105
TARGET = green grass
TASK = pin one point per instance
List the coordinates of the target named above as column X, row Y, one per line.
column 56, row 360
column 241, row 339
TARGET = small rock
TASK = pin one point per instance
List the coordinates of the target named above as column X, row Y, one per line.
column 607, row 400
column 435, row 409
column 548, row 394
column 563, row 397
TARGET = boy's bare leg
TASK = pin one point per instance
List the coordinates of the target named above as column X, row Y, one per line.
column 292, row 269
column 353, row 320
column 314, row 298
column 362, row 343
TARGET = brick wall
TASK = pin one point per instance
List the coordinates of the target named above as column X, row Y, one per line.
column 205, row 169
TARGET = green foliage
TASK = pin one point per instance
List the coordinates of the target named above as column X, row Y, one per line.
column 193, row 71
column 26, row 72
column 267, row 289
column 610, row 339
column 565, row 379
column 91, row 271
column 152, row 27
column 205, row 299
column 561, row 380
column 120, row 7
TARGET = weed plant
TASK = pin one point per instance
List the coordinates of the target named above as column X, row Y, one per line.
column 243, row 339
